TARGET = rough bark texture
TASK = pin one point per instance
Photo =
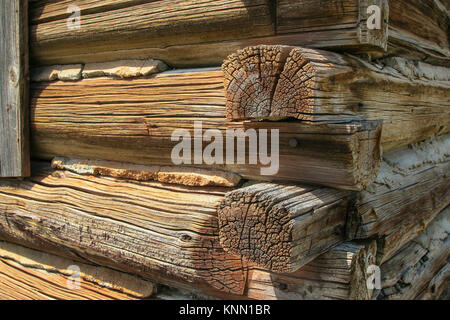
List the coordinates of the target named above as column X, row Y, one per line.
column 281, row 228
column 30, row 274
column 133, row 121
column 165, row 233
column 408, row 273
column 339, row 274
column 411, row 189
column 276, row 82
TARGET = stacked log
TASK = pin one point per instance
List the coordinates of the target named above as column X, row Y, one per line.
column 313, row 152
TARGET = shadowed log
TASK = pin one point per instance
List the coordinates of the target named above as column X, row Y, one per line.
column 410, row 191
column 341, row 273
column 407, row 274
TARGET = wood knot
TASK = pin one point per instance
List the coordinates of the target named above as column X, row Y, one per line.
column 12, row 75
column 185, row 238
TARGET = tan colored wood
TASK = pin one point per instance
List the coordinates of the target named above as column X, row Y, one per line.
column 133, row 121
column 411, row 269
column 410, row 190
column 111, row 30
column 347, row 19
column 29, row 274
column 14, row 134
column 277, row 82
column 165, row 233
column 339, row 274
column 193, row 177
column 281, row 228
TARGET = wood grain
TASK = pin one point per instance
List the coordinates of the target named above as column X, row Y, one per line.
column 411, row 189
column 339, row 274
column 278, row 82
column 282, row 227
column 133, row 121
column 14, row 134
column 410, row 270
column 27, row 274
column 164, row 233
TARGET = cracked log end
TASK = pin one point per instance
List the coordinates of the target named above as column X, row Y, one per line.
column 274, row 81
column 281, row 227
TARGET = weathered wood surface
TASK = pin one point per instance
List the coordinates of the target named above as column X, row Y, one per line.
column 14, row 140
column 281, row 228
column 194, row 177
column 339, row 274
column 337, row 24
column 27, row 274
column 133, row 121
column 164, row 233
column 198, row 32
column 204, row 32
column 419, row 29
column 411, row 189
column 411, row 269
column 166, row 29
column 438, row 287
column 276, row 82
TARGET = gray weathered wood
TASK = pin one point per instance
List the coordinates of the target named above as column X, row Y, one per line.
column 14, row 156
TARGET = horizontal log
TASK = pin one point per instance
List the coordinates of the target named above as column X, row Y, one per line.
column 281, row 228
column 419, row 29
column 165, row 233
column 30, row 274
column 133, row 120
column 197, row 32
column 339, row 274
column 409, row 271
column 410, row 190
column 273, row 82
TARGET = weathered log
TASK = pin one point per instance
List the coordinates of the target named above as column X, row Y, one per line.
column 273, row 82
column 198, row 32
column 411, row 189
column 341, row 274
column 438, row 287
column 282, row 227
column 343, row 22
column 409, row 271
column 134, row 121
column 419, row 29
column 164, row 233
column 30, row 274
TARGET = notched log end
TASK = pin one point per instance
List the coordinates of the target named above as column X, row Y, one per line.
column 271, row 82
column 252, row 226
column 367, row 154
